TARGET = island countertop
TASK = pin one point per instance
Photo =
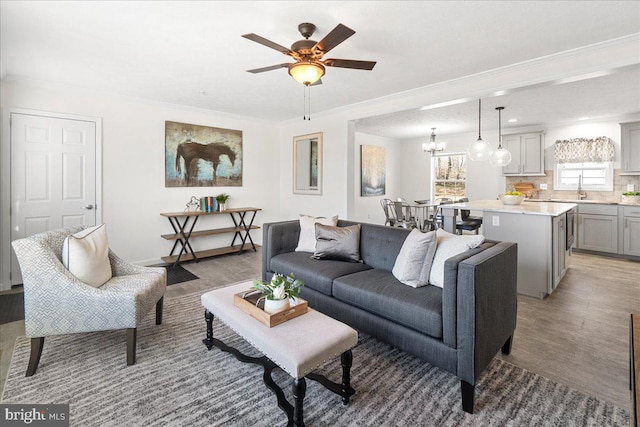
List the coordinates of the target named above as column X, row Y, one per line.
column 527, row 208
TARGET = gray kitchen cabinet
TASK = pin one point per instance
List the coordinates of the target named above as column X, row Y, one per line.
column 527, row 154
column 559, row 253
column 631, row 230
column 630, row 148
column 598, row 228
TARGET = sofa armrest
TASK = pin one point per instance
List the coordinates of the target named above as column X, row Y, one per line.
column 486, row 307
column 278, row 238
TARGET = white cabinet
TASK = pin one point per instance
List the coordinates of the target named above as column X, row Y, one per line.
column 631, row 230
column 630, row 148
column 598, row 228
column 527, row 154
column 559, row 256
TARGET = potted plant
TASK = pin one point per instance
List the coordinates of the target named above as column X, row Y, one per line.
column 631, row 197
column 278, row 292
column 222, row 201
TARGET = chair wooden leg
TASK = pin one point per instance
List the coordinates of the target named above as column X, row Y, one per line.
column 467, row 396
column 36, row 352
column 159, row 306
column 131, row 346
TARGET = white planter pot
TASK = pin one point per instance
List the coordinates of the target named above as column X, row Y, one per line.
column 274, row 306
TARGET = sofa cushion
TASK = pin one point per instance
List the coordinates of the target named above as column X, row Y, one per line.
column 338, row 243
column 378, row 292
column 316, row 274
column 380, row 245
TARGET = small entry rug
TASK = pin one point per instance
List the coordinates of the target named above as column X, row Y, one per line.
column 176, row 381
column 178, row 274
column 11, row 307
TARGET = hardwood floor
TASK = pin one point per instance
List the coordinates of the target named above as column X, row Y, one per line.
column 579, row 336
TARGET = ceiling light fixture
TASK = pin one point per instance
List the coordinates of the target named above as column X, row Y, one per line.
column 432, row 146
column 306, row 73
column 512, row 120
column 501, row 156
column 479, row 150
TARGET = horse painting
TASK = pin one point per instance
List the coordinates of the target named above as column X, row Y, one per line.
column 191, row 152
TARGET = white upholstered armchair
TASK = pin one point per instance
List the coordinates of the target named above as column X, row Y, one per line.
column 56, row 302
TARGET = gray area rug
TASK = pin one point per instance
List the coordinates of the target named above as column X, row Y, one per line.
column 177, row 382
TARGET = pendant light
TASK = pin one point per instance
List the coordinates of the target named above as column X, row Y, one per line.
column 501, row 156
column 479, row 150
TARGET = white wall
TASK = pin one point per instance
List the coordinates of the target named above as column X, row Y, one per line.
column 368, row 209
column 483, row 180
column 133, row 165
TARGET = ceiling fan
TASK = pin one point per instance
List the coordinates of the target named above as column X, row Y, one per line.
column 308, row 54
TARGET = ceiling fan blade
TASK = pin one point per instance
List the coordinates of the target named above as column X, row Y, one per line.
column 339, row 34
column 263, row 69
column 268, row 43
column 350, row 63
column 319, row 82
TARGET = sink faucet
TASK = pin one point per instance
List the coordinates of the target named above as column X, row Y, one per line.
column 581, row 193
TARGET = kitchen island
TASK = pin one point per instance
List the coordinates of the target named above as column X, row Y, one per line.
column 542, row 230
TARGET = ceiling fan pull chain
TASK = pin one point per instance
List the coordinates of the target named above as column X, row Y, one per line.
column 307, row 102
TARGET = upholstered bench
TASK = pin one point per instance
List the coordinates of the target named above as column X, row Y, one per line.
column 298, row 346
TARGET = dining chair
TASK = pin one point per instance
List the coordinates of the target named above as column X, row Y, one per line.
column 389, row 212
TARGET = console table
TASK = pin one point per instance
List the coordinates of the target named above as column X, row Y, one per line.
column 183, row 224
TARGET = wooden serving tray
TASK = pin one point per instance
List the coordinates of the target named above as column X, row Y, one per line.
column 248, row 305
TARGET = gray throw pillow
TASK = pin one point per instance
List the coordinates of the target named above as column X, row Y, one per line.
column 338, row 243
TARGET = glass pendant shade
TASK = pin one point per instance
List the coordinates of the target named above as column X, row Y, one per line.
column 479, row 150
column 306, row 73
column 500, row 157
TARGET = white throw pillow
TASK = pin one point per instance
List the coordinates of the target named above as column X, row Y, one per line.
column 450, row 245
column 86, row 255
column 307, row 240
column 413, row 263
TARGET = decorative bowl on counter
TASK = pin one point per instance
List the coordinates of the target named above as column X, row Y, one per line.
column 631, row 198
column 511, row 199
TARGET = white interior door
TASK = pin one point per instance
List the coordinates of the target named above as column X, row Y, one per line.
column 53, row 176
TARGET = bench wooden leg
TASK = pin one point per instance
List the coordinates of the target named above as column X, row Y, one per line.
column 131, row 346
column 467, row 396
column 346, row 359
column 299, row 390
column 208, row 317
column 159, row 306
column 36, row 352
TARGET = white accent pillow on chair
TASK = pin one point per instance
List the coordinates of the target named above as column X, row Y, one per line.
column 86, row 255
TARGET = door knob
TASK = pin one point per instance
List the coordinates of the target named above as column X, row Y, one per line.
column 88, row 207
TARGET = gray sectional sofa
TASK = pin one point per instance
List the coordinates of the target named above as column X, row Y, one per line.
column 458, row 328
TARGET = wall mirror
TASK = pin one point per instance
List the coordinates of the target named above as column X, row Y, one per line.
column 307, row 164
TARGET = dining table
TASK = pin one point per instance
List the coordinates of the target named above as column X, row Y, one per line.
column 422, row 213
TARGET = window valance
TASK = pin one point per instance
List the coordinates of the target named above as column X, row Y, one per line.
column 578, row 150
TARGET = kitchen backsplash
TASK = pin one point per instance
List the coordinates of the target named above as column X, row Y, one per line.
column 620, row 183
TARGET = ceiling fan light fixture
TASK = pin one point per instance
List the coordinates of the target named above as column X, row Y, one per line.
column 306, row 73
